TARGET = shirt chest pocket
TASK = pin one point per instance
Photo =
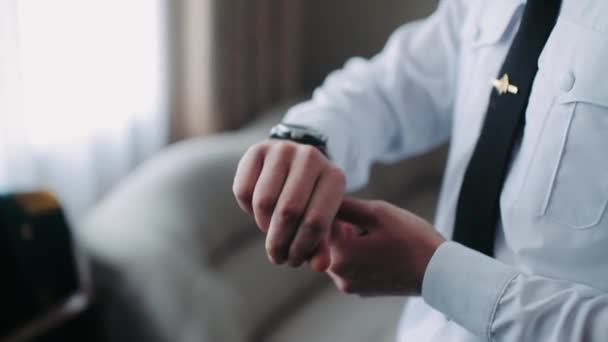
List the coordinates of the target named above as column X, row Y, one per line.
column 572, row 151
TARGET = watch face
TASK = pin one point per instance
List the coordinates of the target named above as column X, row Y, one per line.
column 298, row 132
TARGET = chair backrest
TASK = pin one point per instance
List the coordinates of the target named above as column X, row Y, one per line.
column 232, row 59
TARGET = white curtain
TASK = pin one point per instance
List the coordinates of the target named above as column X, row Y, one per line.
column 82, row 98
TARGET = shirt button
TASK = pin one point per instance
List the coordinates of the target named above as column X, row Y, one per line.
column 567, row 82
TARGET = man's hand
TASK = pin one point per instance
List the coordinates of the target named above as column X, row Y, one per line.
column 378, row 249
column 294, row 193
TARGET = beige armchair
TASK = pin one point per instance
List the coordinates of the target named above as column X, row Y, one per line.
column 175, row 259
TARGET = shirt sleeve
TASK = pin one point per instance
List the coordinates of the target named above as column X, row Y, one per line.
column 495, row 301
column 395, row 105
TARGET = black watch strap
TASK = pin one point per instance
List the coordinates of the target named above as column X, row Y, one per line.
column 300, row 134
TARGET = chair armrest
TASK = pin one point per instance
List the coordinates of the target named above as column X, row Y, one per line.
column 152, row 239
column 183, row 195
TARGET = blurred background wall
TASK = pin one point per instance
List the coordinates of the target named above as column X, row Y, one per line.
column 235, row 58
column 89, row 90
column 339, row 29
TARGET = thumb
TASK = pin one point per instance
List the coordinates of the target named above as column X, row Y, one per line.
column 342, row 234
column 356, row 211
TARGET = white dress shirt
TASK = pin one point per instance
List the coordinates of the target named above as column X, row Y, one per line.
column 431, row 84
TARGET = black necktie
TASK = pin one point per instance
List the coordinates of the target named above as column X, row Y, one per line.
column 478, row 204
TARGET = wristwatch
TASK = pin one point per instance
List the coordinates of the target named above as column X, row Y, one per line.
column 300, row 134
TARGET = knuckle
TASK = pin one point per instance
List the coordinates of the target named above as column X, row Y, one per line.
column 264, row 204
column 283, row 146
column 288, row 213
column 257, row 149
column 275, row 250
column 334, row 171
column 304, row 245
column 339, row 268
column 242, row 193
column 337, row 177
column 310, row 153
column 346, row 286
column 314, row 225
column 379, row 208
column 297, row 252
column 337, row 174
column 377, row 204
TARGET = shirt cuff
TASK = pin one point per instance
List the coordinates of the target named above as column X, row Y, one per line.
column 466, row 286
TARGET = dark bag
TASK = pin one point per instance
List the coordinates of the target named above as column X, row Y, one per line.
column 38, row 272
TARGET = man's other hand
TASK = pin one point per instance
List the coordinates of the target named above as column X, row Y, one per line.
column 294, row 193
column 378, row 249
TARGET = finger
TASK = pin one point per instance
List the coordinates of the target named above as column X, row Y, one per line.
column 338, row 281
column 320, row 213
column 358, row 212
column 350, row 231
column 291, row 206
column 268, row 187
column 348, row 249
column 321, row 260
column 344, row 284
column 247, row 173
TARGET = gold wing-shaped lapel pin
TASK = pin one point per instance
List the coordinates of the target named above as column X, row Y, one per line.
column 503, row 86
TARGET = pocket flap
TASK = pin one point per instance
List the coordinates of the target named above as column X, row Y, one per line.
column 574, row 59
